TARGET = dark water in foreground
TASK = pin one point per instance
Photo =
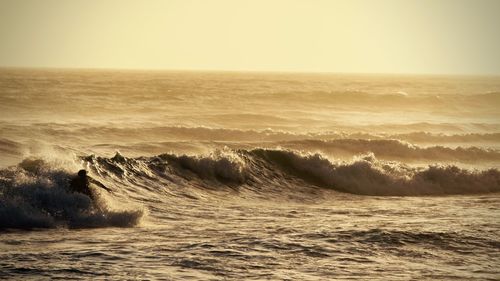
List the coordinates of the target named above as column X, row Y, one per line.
column 350, row 237
column 345, row 238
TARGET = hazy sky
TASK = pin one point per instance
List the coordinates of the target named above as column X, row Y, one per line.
column 388, row 36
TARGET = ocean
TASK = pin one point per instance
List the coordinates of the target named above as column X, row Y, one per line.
column 249, row 176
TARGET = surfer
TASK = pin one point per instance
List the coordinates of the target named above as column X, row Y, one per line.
column 81, row 184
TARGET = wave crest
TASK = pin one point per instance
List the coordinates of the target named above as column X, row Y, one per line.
column 261, row 169
column 369, row 176
column 221, row 166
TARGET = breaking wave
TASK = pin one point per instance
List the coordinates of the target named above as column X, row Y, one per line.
column 364, row 175
column 260, row 169
column 369, row 176
column 35, row 195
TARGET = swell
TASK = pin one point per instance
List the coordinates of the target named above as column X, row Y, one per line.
column 369, row 100
column 417, row 145
column 397, row 150
column 412, row 132
column 387, row 149
column 9, row 147
column 425, row 137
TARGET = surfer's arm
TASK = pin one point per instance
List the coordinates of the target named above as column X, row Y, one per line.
column 93, row 181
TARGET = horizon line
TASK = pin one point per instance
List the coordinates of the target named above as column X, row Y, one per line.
column 72, row 68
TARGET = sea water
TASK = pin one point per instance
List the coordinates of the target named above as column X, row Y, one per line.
column 249, row 176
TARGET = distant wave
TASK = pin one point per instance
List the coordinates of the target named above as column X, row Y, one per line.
column 469, row 148
column 225, row 134
column 9, row 147
column 427, row 133
column 387, row 149
column 425, row 137
column 397, row 150
column 401, row 99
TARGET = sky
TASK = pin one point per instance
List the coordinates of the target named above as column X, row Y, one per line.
column 346, row 36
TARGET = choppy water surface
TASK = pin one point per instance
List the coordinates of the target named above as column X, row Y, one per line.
column 347, row 238
column 225, row 176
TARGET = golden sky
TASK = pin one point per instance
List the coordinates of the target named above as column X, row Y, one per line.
column 368, row 36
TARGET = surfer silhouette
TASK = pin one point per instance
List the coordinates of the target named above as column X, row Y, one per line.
column 81, row 184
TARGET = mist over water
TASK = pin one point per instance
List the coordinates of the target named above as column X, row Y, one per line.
column 221, row 175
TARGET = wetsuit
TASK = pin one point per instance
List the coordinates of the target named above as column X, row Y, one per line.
column 81, row 185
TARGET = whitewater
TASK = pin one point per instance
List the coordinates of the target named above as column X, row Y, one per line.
column 249, row 176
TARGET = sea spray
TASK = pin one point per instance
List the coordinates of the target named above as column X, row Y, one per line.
column 35, row 194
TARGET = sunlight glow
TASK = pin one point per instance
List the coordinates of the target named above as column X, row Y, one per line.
column 384, row 36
